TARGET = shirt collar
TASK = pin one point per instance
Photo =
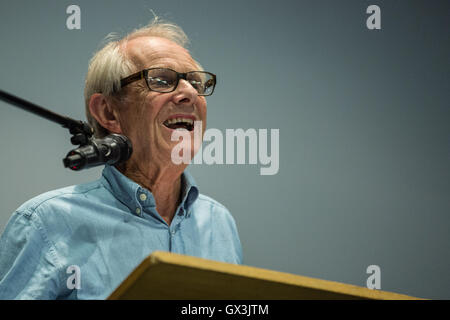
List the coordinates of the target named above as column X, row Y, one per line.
column 134, row 196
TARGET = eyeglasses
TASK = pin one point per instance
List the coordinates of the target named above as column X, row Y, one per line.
column 166, row 80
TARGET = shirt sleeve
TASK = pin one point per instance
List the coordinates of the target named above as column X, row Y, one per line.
column 28, row 264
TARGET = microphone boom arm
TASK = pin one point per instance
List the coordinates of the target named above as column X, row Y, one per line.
column 80, row 130
column 112, row 149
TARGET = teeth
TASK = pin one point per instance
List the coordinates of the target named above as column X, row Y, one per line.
column 178, row 120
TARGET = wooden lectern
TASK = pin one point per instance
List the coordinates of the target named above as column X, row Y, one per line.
column 168, row 276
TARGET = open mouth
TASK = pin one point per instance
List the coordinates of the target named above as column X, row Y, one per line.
column 176, row 123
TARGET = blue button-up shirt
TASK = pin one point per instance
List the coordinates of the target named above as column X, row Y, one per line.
column 105, row 229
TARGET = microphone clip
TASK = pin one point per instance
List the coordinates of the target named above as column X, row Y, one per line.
column 81, row 132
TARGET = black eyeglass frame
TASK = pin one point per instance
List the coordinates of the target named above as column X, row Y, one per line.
column 143, row 74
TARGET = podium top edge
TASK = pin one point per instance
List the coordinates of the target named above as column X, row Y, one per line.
column 161, row 257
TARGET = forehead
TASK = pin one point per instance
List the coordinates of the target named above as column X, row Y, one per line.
column 148, row 52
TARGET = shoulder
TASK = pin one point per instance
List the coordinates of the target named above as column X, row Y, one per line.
column 210, row 201
column 213, row 205
column 58, row 197
column 48, row 217
column 206, row 205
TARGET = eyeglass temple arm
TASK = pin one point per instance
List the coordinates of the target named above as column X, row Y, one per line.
column 132, row 78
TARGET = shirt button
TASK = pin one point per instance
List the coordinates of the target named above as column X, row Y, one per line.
column 143, row 196
column 138, row 210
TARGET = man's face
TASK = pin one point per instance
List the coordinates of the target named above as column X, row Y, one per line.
column 144, row 116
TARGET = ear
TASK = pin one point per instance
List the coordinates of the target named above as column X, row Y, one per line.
column 102, row 110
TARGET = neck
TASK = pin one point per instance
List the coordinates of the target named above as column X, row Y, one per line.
column 163, row 183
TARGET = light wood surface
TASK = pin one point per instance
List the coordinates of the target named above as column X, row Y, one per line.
column 167, row 276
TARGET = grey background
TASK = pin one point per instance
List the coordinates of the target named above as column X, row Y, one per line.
column 363, row 118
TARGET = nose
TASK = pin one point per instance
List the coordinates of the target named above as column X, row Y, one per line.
column 185, row 93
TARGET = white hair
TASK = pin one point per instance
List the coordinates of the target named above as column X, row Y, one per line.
column 109, row 64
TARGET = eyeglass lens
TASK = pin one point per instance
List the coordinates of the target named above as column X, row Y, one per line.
column 165, row 80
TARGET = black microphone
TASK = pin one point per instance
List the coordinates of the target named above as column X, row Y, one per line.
column 111, row 149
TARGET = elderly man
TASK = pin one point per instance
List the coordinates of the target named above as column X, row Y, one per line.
column 143, row 86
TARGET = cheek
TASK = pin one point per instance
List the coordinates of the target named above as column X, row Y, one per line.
column 142, row 118
column 131, row 124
